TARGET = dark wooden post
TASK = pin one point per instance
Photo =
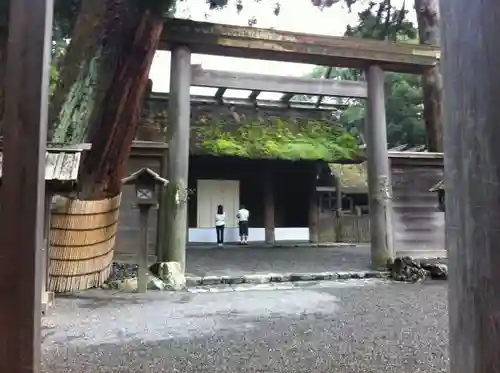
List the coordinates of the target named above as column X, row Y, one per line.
column 142, row 278
column 338, row 210
column 23, row 184
column 313, row 209
column 379, row 186
column 179, row 112
column 269, row 207
column 162, row 208
column 358, row 215
column 471, row 82
column 47, row 297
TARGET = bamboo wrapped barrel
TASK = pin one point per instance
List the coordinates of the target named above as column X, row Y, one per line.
column 82, row 239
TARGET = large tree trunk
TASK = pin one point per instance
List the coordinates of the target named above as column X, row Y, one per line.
column 430, row 34
column 98, row 96
column 3, row 54
column 4, row 31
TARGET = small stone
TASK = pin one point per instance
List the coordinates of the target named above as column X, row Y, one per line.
column 193, row 281
column 301, row 277
column 172, row 275
column 410, row 262
column 225, row 279
column 257, row 279
column 121, row 271
column 357, row 275
column 344, row 275
column 334, row 276
column 236, row 280
column 277, row 277
column 154, row 283
column 439, row 271
column 211, row 280
column 408, row 270
column 128, row 285
column 322, row 276
column 376, row 274
column 399, row 277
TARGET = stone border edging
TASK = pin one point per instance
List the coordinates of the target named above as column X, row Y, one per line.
column 276, row 277
column 315, row 245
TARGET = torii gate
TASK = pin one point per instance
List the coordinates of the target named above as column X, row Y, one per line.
column 184, row 37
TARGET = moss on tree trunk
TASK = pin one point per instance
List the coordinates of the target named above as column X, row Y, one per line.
column 98, row 98
column 430, row 34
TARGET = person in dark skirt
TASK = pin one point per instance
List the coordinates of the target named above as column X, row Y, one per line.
column 220, row 222
column 243, row 215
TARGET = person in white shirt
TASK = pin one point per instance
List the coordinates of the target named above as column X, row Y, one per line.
column 243, row 215
column 220, row 222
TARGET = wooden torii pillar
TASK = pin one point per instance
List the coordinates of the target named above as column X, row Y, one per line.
column 179, row 110
column 471, row 82
column 379, row 181
column 23, row 185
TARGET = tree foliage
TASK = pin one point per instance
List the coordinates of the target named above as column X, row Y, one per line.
column 404, row 105
column 383, row 21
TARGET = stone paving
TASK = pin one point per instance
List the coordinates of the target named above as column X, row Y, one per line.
column 237, row 260
column 257, row 264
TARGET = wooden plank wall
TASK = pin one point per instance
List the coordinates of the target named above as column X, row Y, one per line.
column 417, row 222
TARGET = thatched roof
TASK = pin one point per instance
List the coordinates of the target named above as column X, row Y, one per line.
column 353, row 178
column 258, row 133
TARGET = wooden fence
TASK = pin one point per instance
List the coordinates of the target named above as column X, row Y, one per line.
column 347, row 228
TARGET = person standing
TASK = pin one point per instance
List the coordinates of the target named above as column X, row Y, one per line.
column 220, row 222
column 243, row 215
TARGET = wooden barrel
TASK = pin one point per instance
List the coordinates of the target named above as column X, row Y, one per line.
column 81, row 243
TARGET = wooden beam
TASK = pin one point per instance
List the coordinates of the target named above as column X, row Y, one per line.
column 296, row 105
column 287, row 97
column 257, row 43
column 22, row 195
column 471, row 86
column 253, row 96
column 271, row 83
column 220, row 93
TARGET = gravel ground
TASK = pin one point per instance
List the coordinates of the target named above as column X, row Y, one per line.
column 348, row 327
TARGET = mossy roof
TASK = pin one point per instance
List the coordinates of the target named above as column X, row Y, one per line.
column 258, row 134
column 277, row 139
column 353, row 177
